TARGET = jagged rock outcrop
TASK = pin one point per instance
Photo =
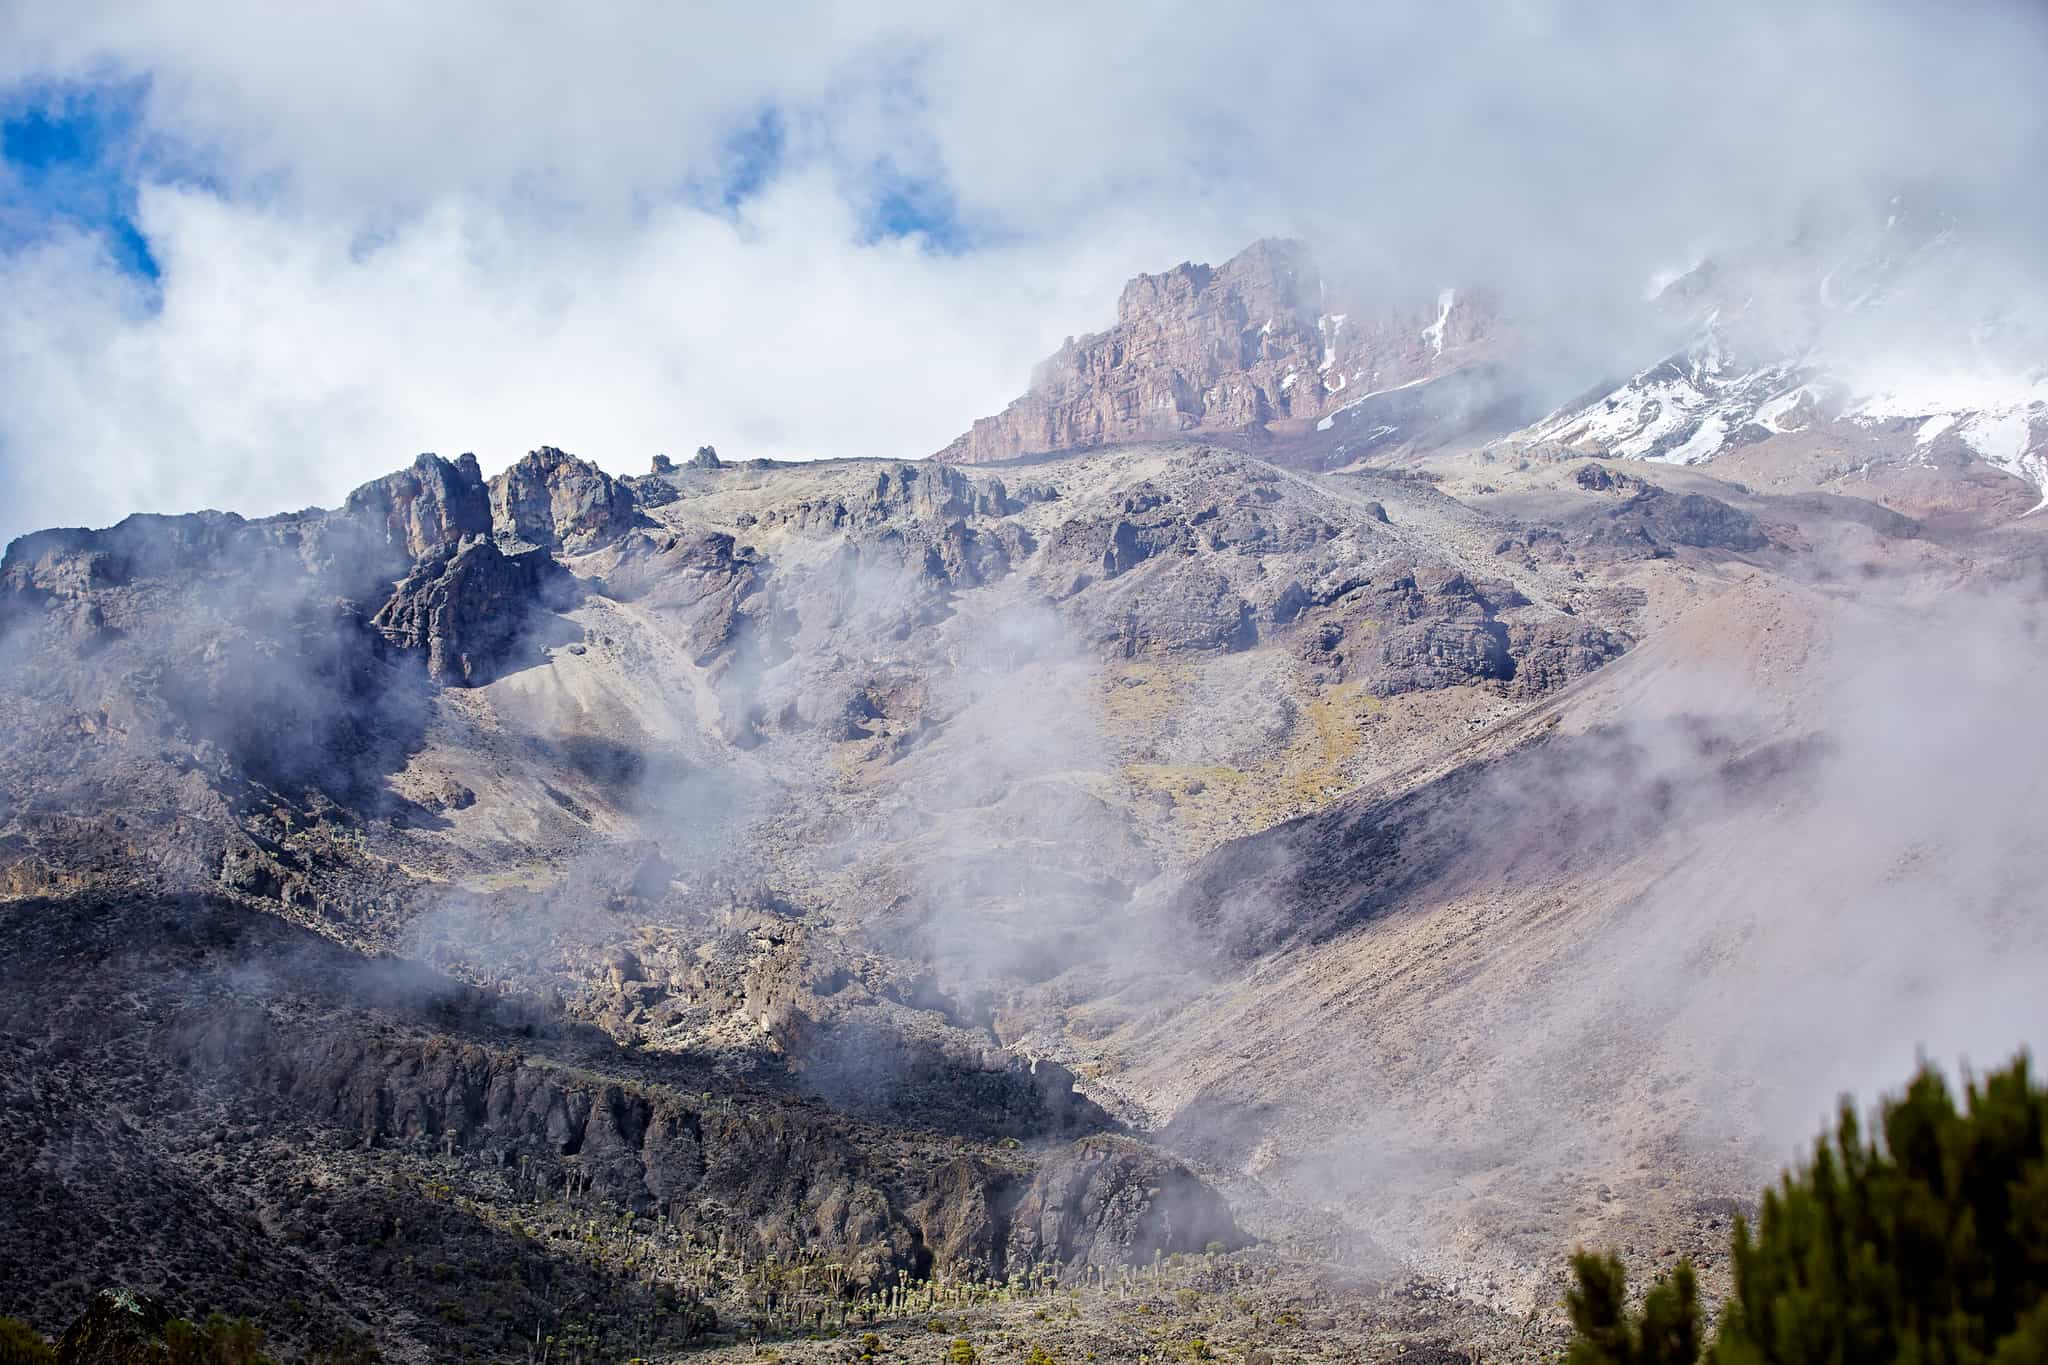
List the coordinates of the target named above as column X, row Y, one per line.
column 787, row 1175
column 467, row 609
column 1107, row 1200
column 899, row 491
column 1661, row 517
column 121, row 1327
column 1263, row 338
column 1217, row 563
column 554, row 500
column 1409, row 633
column 1550, row 654
column 932, row 492
column 431, row 504
column 71, row 562
column 1104, row 1200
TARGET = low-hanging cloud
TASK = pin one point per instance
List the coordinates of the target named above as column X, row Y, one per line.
column 285, row 364
column 481, row 228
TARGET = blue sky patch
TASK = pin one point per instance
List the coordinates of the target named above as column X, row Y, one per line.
column 70, row 156
column 903, row 207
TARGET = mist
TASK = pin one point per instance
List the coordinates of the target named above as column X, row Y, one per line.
column 1433, row 854
column 1769, row 865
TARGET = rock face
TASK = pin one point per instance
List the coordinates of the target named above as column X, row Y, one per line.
column 701, row 578
column 554, row 500
column 423, row 508
column 1107, row 1200
column 467, row 608
column 1648, row 518
column 1261, row 339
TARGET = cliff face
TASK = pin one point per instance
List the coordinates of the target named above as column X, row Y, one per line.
column 1264, row 339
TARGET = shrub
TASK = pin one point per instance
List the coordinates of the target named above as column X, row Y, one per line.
column 1926, row 1241
column 1604, row 1333
column 219, row 1340
column 21, row 1344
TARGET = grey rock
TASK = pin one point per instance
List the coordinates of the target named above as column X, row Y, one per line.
column 423, row 508
column 702, row 577
column 467, row 609
column 553, row 500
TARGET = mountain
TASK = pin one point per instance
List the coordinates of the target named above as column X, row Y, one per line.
column 1847, row 357
column 1250, row 882
column 1265, row 342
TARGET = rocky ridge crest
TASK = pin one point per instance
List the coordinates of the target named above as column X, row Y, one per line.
column 1265, row 340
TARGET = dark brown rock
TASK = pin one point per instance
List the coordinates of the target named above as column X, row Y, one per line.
column 467, row 609
column 1107, row 1200
column 702, row 577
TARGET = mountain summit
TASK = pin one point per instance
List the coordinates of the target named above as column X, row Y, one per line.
column 1267, row 341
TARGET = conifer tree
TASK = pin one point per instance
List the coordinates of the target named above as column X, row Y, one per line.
column 1924, row 1241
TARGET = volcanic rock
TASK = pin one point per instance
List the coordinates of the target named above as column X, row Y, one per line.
column 1256, row 340
column 554, row 500
column 467, row 609
column 425, row 507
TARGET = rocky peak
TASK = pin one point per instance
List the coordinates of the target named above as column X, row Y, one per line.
column 424, row 507
column 1265, row 341
column 1269, row 278
column 70, row 561
column 553, row 500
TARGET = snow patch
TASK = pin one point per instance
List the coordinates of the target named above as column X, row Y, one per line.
column 2000, row 437
column 1707, row 438
column 1446, row 300
column 1932, row 428
column 1331, row 325
column 1335, row 413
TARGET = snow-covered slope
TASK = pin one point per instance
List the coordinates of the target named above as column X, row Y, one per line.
column 1702, row 402
column 1878, row 345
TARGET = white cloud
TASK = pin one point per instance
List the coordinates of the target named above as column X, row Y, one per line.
column 283, row 366
column 527, row 175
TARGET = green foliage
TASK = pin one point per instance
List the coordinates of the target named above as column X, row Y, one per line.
column 21, row 1344
column 1924, row 1242
column 1605, row 1333
column 961, row 1352
column 1927, row 1241
column 219, row 1340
